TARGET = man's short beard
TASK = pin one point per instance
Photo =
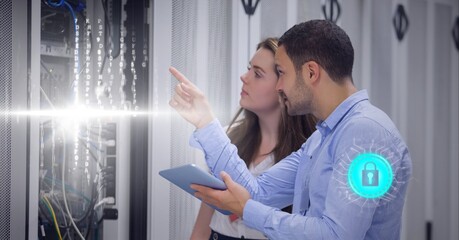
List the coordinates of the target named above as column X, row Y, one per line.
column 302, row 96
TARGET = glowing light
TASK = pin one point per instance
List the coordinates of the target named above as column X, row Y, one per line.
column 70, row 119
column 370, row 175
column 77, row 114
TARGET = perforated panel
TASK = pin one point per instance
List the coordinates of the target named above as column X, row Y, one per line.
column 185, row 51
column 416, row 99
column 219, row 59
column 381, row 58
column 184, row 30
column 272, row 26
column 442, row 131
column 5, row 121
column 309, row 9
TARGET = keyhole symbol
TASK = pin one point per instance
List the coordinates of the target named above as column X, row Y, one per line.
column 370, row 178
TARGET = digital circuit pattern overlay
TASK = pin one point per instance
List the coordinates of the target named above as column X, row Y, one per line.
column 370, row 173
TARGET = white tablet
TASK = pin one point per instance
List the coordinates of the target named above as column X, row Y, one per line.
column 186, row 175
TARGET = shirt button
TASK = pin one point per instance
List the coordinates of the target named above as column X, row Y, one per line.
column 324, row 125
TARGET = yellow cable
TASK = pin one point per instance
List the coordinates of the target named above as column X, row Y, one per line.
column 54, row 217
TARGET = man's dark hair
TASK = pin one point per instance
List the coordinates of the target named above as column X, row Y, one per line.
column 321, row 41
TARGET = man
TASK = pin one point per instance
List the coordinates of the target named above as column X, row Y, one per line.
column 348, row 181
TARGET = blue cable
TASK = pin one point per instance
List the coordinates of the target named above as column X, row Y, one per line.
column 73, row 15
column 74, row 25
column 61, row 2
column 72, row 12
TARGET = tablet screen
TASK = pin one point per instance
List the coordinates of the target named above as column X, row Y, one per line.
column 186, row 175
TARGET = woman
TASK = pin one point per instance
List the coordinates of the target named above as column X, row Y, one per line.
column 263, row 135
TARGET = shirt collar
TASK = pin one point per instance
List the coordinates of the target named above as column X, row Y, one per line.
column 335, row 117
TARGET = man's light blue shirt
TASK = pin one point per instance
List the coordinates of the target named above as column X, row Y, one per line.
column 314, row 178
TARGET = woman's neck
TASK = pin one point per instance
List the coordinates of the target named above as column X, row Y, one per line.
column 269, row 126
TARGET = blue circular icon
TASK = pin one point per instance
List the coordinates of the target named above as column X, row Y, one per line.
column 370, row 175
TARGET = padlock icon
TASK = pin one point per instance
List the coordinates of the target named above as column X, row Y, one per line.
column 370, row 177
